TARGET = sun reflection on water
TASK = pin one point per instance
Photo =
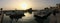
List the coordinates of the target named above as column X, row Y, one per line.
column 28, row 17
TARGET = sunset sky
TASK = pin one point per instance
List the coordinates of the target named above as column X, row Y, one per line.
column 19, row 4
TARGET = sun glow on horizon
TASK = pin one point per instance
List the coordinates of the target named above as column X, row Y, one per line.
column 24, row 6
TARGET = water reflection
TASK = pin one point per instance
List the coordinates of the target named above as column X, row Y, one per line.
column 27, row 19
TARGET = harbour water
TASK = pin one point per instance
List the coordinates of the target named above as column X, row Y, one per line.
column 29, row 18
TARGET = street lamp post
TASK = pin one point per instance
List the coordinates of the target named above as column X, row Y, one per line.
column 2, row 15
